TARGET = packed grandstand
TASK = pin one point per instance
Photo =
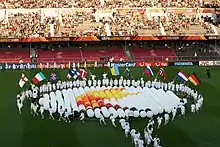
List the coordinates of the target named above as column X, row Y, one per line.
column 71, row 18
column 72, row 22
column 90, row 20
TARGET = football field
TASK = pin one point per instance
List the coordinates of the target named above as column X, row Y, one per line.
column 201, row 130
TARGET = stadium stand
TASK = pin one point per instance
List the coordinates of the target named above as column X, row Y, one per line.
column 116, row 53
column 73, row 22
column 140, row 51
column 80, row 22
column 63, row 55
column 108, row 4
column 155, row 54
column 82, row 18
column 14, row 56
column 201, row 50
column 171, row 50
column 78, row 52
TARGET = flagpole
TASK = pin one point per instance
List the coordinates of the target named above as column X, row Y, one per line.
column 156, row 77
column 174, row 79
column 93, row 72
column 30, row 83
column 124, row 71
column 90, row 72
column 142, row 74
column 108, row 70
column 130, row 76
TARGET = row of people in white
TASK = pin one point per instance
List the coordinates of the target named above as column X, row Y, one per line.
column 64, row 114
column 48, row 87
column 148, row 131
column 136, row 136
column 138, row 142
column 59, row 84
column 194, row 107
column 197, row 106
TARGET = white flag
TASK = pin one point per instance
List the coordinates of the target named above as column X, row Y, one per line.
column 95, row 64
column 108, row 64
column 85, row 64
column 41, row 66
column 73, row 65
column 23, row 80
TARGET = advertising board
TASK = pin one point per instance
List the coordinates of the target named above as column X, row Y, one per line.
column 16, row 66
column 123, row 64
column 144, row 64
column 209, row 63
column 184, row 63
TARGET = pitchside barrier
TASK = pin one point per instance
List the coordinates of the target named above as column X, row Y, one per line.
column 184, row 63
column 18, row 66
column 209, row 63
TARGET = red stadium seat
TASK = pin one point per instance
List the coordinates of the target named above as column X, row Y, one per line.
column 14, row 56
column 158, row 54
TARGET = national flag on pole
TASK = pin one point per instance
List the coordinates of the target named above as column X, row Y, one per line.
column 38, row 78
column 194, row 79
column 53, row 77
column 182, row 76
column 148, row 71
column 115, row 70
column 72, row 73
column 23, row 80
column 82, row 73
column 162, row 73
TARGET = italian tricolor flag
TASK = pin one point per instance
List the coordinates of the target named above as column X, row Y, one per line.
column 38, row 78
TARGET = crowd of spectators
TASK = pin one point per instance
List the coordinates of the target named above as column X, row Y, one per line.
column 122, row 24
column 179, row 3
column 187, row 24
column 73, row 22
column 177, row 23
column 80, row 23
column 35, row 24
column 127, row 4
column 83, row 22
column 11, row 4
column 25, row 25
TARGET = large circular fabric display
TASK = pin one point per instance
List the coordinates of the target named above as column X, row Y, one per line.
column 150, row 100
column 106, row 100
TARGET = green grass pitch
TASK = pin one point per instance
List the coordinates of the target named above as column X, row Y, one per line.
column 202, row 130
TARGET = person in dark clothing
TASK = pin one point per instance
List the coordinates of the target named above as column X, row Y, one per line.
column 130, row 116
column 208, row 73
